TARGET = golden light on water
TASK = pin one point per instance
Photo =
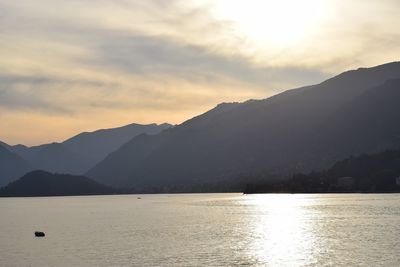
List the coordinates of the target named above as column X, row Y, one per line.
column 282, row 230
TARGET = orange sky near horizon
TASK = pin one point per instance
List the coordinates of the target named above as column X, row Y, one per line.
column 73, row 66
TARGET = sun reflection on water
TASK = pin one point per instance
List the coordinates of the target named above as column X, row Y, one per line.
column 281, row 230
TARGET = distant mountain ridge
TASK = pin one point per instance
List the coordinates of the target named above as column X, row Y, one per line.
column 79, row 153
column 298, row 130
column 54, row 157
column 12, row 166
column 98, row 144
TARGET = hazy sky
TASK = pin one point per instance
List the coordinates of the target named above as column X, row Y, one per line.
column 78, row 65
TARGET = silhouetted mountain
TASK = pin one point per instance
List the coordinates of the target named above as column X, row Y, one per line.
column 5, row 145
column 298, row 130
column 367, row 124
column 96, row 145
column 12, row 166
column 81, row 152
column 41, row 183
column 18, row 149
column 374, row 173
column 55, row 157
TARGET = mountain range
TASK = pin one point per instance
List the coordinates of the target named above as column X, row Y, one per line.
column 75, row 155
column 12, row 166
column 299, row 130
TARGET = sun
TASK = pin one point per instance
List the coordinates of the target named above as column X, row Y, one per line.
column 272, row 22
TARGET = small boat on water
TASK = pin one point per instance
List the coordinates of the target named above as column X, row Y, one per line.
column 39, row 234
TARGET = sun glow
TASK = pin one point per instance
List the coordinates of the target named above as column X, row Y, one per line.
column 272, row 22
column 283, row 226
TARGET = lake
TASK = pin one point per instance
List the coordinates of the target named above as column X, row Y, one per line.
column 202, row 230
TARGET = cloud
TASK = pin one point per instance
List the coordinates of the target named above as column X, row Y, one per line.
column 82, row 65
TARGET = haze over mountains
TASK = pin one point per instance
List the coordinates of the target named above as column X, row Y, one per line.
column 299, row 130
column 12, row 166
column 74, row 156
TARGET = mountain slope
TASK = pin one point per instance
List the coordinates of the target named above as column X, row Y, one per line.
column 56, row 157
column 81, row 152
column 98, row 144
column 369, row 123
column 41, row 183
column 12, row 166
column 366, row 173
column 276, row 135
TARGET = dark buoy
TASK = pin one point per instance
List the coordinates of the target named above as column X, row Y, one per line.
column 39, row 234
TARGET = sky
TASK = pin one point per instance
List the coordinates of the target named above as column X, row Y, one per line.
column 73, row 66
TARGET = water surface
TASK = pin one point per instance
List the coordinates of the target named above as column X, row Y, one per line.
column 202, row 230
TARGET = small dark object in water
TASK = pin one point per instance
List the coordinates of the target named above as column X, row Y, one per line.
column 39, row 234
column 139, row 198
